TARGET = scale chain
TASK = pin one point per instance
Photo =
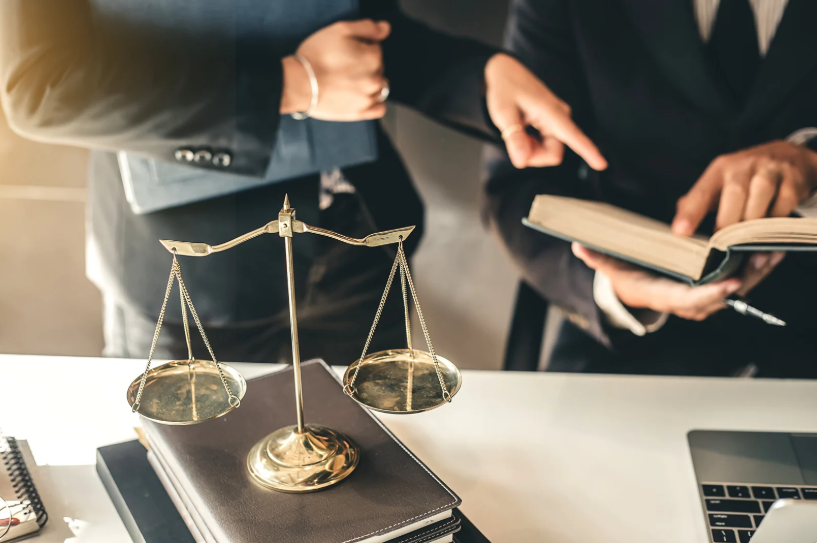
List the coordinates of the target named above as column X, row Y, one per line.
column 350, row 388
column 405, row 305
column 405, row 276
column 234, row 400
column 137, row 403
column 186, row 326
column 175, row 271
column 402, row 256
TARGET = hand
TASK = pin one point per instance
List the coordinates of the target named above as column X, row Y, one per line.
column 638, row 289
column 347, row 59
column 517, row 98
column 768, row 180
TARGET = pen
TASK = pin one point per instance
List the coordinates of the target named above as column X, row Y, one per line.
column 745, row 309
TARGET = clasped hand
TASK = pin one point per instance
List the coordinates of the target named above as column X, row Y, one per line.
column 769, row 180
column 347, row 59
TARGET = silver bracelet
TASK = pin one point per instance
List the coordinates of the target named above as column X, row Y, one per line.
column 313, row 84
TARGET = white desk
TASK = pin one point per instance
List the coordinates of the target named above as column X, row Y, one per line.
column 535, row 457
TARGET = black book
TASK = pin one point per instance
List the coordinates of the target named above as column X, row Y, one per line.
column 138, row 495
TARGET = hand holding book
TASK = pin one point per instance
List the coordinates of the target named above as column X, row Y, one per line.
column 641, row 289
column 658, row 262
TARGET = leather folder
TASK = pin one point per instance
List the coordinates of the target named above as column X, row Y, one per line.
column 389, row 493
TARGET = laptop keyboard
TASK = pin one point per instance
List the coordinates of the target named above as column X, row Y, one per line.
column 734, row 511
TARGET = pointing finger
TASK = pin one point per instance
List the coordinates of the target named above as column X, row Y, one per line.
column 564, row 129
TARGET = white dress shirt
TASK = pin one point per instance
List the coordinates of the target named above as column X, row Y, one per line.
column 767, row 17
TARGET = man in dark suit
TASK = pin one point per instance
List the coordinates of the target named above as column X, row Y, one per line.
column 698, row 105
column 118, row 75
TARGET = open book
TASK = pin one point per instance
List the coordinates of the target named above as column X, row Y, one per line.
column 650, row 243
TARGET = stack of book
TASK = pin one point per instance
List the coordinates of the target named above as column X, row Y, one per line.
column 391, row 496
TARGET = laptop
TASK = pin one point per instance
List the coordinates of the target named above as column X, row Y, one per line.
column 757, row 486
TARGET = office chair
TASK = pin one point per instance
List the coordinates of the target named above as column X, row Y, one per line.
column 524, row 345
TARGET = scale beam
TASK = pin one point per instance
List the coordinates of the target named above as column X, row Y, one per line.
column 186, row 248
column 372, row 240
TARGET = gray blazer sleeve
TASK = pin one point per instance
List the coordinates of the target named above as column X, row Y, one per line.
column 63, row 81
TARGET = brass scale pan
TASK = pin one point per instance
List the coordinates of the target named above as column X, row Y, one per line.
column 402, row 381
column 185, row 392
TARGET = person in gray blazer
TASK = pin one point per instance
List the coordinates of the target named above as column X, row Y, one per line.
column 162, row 81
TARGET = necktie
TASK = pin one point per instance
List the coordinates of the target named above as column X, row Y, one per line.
column 733, row 49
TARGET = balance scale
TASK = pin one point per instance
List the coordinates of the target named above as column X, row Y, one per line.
column 303, row 457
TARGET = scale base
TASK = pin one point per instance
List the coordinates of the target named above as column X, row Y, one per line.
column 289, row 461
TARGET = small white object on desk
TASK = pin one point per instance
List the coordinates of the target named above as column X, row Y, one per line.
column 567, row 458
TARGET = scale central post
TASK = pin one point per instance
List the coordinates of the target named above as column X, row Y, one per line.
column 304, row 457
column 285, row 219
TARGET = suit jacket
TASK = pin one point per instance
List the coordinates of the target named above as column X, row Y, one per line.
column 74, row 73
column 635, row 75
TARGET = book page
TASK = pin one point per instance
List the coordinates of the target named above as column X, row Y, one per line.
column 622, row 233
column 767, row 231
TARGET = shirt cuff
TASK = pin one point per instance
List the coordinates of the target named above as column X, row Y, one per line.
column 617, row 315
column 808, row 207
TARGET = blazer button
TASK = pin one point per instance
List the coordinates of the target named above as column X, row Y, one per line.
column 203, row 156
column 222, row 160
column 184, row 155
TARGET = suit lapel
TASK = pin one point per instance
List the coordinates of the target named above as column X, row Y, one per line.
column 791, row 56
column 671, row 34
